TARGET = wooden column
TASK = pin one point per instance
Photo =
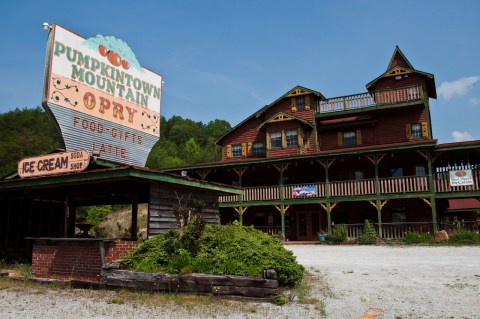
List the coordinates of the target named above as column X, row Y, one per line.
column 282, row 209
column 70, row 213
column 134, row 227
column 431, row 186
column 240, row 210
column 328, row 208
column 376, row 159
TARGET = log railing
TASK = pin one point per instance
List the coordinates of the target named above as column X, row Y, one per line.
column 368, row 99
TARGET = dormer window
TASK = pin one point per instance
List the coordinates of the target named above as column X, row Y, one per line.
column 237, row 150
column 291, row 138
column 300, row 103
column 258, row 149
column 276, row 140
column 416, row 130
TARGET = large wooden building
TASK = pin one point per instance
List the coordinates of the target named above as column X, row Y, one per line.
column 308, row 163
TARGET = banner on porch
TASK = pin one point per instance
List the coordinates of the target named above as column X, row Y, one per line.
column 461, row 178
column 304, row 191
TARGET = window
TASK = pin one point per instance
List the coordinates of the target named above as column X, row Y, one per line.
column 396, row 172
column 358, row 175
column 349, row 138
column 275, row 140
column 420, row 170
column 300, row 102
column 237, row 150
column 416, row 130
column 291, row 137
column 258, row 149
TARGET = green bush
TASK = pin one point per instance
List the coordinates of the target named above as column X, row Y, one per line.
column 221, row 249
column 369, row 235
column 464, row 236
column 416, row 238
column 339, row 234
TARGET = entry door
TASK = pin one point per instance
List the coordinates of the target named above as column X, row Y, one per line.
column 308, row 225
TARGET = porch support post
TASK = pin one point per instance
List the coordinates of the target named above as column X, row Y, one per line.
column 282, row 209
column 240, row 210
column 240, row 171
column 329, row 218
column 379, row 216
column 133, row 229
column 431, row 186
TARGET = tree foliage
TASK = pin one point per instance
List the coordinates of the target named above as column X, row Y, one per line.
column 184, row 142
column 25, row 133
column 29, row 132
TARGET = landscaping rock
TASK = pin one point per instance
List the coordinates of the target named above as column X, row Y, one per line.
column 441, row 236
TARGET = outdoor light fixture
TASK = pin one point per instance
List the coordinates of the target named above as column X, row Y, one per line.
column 46, row 26
column 96, row 153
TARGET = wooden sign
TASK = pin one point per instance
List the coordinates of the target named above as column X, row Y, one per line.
column 100, row 97
column 51, row 164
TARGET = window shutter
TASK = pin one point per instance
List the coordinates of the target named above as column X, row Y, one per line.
column 284, row 139
column 424, row 130
column 307, row 102
column 244, row 150
column 267, row 141
column 294, row 104
column 408, row 131
column 358, row 136
column 340, row 139
column 229, row 151
column 249, row 149
column 299, row 137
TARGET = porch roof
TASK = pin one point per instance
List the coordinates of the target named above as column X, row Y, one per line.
column 463, row 204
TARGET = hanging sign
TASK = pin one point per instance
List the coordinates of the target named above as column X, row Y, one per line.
column 100, row 97
column 51, row 164
column 461, row 177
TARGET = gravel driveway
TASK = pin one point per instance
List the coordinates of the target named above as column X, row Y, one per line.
column 353, row 282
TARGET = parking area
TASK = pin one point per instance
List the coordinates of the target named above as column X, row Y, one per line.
column 398, row 282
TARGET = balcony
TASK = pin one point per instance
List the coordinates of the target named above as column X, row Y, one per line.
column 389, row 185
column 370, row 99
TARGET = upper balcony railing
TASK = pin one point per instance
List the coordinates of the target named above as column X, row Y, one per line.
column 369, row 99
column 388, row 185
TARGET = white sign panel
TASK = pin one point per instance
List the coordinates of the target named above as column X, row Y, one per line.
column 102, row 99
column 461, row 178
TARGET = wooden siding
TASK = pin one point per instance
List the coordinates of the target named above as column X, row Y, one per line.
column 389, row 82
column 160, row 213
column 246, row 133
column 388, row 128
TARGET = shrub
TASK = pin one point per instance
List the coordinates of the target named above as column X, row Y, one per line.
column 416, row 237
column 369, row 235
column 339, row 234
column 464, row 236
column 220, row 249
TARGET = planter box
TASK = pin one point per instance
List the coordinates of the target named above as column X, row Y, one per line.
column 217, row 285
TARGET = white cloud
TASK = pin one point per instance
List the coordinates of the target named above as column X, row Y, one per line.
column 457, row 87
column 461, row 136
column 474, row 101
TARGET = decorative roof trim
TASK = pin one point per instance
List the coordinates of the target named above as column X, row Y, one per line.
column 282, row 117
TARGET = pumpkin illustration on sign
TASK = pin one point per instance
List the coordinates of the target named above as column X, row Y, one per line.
column 113, row 57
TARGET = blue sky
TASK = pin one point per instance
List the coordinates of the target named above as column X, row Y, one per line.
column 227, row 59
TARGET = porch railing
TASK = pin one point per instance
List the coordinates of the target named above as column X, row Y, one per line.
column 442, row 183
column 352, row 188
column 405, row 184
column 368, row 99
column 271, row 230
column 389, row 185
column 391, row 230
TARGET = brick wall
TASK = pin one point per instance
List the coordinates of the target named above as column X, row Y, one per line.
column 75, row 259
